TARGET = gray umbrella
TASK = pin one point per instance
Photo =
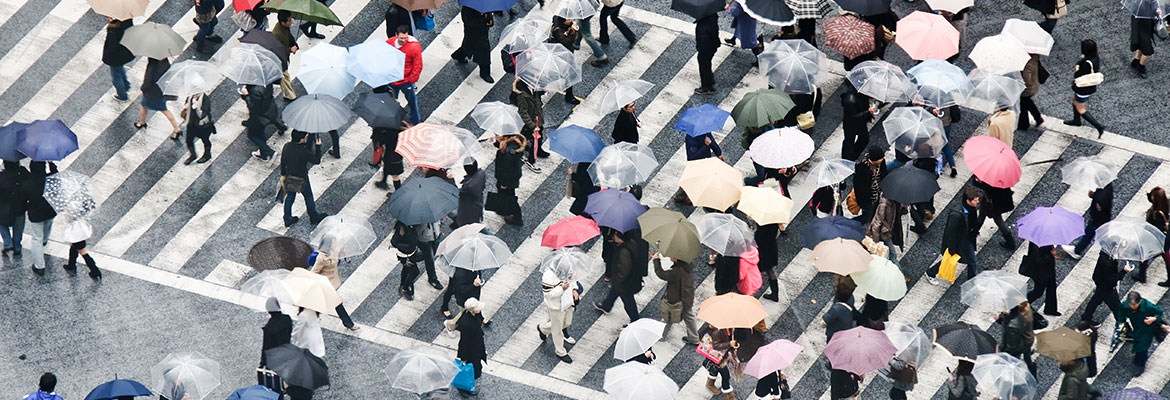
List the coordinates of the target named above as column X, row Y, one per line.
column 153, row 40
column 423, row 200
column 316, row 113
column 909, row 185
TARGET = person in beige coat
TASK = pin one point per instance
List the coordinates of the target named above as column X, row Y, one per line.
column 326, row 266
column 560, row 297
column 1002, row 126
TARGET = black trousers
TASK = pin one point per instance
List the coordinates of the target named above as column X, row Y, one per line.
column 428, row 255
column 807, row 28
column 409, row 272
column 611, row 13
column 706, row 74
column 1027, row 106
column 312, row 26
column 1101, row 294
column 478, row 49
column 344, row 315
column 1046, row 286
column 628, row 303
column 856, row 141
column 1048, row 24
column 191, row 138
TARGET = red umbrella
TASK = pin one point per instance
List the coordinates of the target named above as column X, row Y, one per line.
column 849, row 35
column 992, row 161
column 572, row 231
column 434, row 146
column 241, row 5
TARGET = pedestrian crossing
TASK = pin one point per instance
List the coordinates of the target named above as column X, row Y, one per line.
column 171, row 218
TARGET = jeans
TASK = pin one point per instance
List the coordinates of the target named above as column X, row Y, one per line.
column 121, row 84
column 587, row 35
column 895, row 163
column 310, row 205
column 706, row 74
column 948, row 150
column 12, row 234
column 40, row 237
column 612, row 14
column 628, row 303
column 206, row 30
column 411, row 100
column 761, row 173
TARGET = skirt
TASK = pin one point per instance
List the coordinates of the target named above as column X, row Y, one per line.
column 153, row 104
column 1082, row 98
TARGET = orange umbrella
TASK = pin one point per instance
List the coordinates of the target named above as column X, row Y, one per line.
column 732, row 310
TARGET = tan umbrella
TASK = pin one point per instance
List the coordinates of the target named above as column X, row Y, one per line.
column 119, row 9
column 1063, row 344
column 841, row 256
column 765, row 205
column 153, row 40
column 710, row 182
column 312, row 291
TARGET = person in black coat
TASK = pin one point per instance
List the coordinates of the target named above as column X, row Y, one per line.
column 995, row 203
column 1040, row 265
column 959, row 235
column 471, row 349
column 765, row 236
column 1100, row 212
column 278, row 330
column 261, row 113
column 116, row 56
column 1105, row 277
column 706, row 43
column 625, row 278
column 580, row 187
column 1141, row 42
column 475, row 46
column 856, row 114
column 463, row 285
column 726, row 274
column 843, row 384
column 1087, row 64
column 625, row 127
column 471, row 196
column 152, row 95
column 387, row 139
column 205, row 17
column 509, row 158
column 40, row 212
column 867, row 175
column 13, row 206
column 200, row 125
column 296, row 158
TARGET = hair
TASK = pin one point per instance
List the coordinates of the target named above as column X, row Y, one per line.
column 843, row 293
column 971, row 193
column 876, row 153
column 1158, row 201
column 403, row 29
column 298, row 135
column 283, row 16
column 471, row 167
column 1133, row 298
column 48, row 382
column 964, row 368
column 1089, row 48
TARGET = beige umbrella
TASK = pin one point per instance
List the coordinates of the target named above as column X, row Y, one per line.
column 710, row 182
column 312, row 291
column 119, row 9
column 765, row 205
column 153, row 40
column 841, row 256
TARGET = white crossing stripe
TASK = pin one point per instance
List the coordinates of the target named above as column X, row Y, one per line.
column 228, row 273
column 38, row 40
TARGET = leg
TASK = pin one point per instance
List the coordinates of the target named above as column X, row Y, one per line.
column 1027, row 356
column 335, row 137
column 1094, row 301
column 1086, row 240
column 1004, row 230
column 725, row 377
column 1048, row 24
column 1140, row 358
column 94, row 272
column 607, row 303
column 310, row 204
column 557, row 319
column 688, row 318
column 141, row 115
column 18, row 234
column 447, row 295
column 807, row 30
column 171, row 118
column 706, row 75
column 897, row 394
column 345, row 319
column 71, row 265
column 478, row 364
column 6, row 236
column 621, row 26
column 972, row 265
column 428, row 253
column 190, row 141
column 38, row 245
column 289, row 199
column 587, row 36
column 256, row 136
column 411, row 102
column 630, row 305
column 286, row 88
column 607, row 12
column 406, row 279
column 121, row 84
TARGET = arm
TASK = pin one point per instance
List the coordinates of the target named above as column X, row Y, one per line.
column 316, row 158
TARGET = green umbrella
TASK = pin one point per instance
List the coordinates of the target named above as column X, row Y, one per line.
column 761, row 107
column 671, row 233
column 306, row 10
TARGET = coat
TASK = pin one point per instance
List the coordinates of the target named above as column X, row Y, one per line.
column 296, row 158
column 1106, row 273
column 1101, row 210
column 745, row 26
column 39, row 209
column 1031, row 75
column 529, row 105
column 327, row 267
column 1075, row 384
column 1143, row 334
column 707, row 34
column 471, row 347
column 843, row 384
column 113, row 52
column 155, row 69
column 680, row 282
column 261, row 105
column 278, row 331
column 839, row 318
column 863, row 177
column 956, row 235
column 623, row 275
column 887, row 223
column 1002, row 126
column 1018, row 333
column 625, row 128
column 13, row 201
column 1085, row 67
column 994, row 200
column 508, row 162
column 463, row 284
column 475, row 34
column 1039, row 264
column 765, row 236
column 471, row 198
column 196, row 115
column 855, row 115
column 961, row 388
column 414, row 63
column 698, row 149
column 580, row 187
column 726, row 274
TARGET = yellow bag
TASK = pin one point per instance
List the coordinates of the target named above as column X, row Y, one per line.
column 948, row 265
column 851, row 203
column 806, row 120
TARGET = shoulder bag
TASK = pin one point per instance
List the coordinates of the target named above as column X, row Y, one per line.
column 1093, row 78
column 707, row 349
column 292, row 184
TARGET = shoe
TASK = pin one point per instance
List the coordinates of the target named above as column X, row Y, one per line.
column 1164, row 284
column 604, row 42
column 460, row 60
column 95, row 273
column 291, row 221
column 320, row 216
column 540, row 153
column 382, row 185
column 598, row 308
column 690, row 342
column 1053, row 314
column 119, row 99
column 435, row 284
column 1070, row 251
column 599, row 62
column 632, row 42
column 353, row 328
column 71, row 268
column 190, row 159
column 954, row 172
column 934, row 281
column 335, row 154
column 532, row 167
column 39, row 271
column 918, row 229
column 566, row 359
column 206, row 157
column 258, row 154
column 927, row 215
column 572, row 100
column 568, row 339
column 450, row 333
column 139, row 126
column 487, row 78
column 1008, row 245
column 711, row 386
column 543, row 337
column 704, row 90
column 730, row 41
column 408, row 295
column 315, row 35
column 214, row 38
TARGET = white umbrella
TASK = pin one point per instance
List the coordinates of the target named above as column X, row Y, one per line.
column 343, row 236
column 316, row 113
column 1092, row 171
column 882, row 81
column 940, row 84
column 249, row 64
column 781, row 148
column 153, row 40
column 567, row 263
column 623, row 164
column 724, row 233
column 549, row 67
column 638, row 381
column 622, row 93
column 421, row 369
column 452, row 238
column 1000, row 54
column 953, row 6
column 119, row 9
column 376, row 63
column 324, row 71
column 474, row 252
column 829, row 171
column 793, row 66
column 497, row 118
column 637, row 337
column 189, row 77
column 1035, row 39
column 186, row 373
column 576, row 9
column 991, row 91
column 881, row 280
column 522, row 34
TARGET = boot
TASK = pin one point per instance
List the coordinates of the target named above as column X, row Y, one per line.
column 397, row 185
column 1095, row 124
column 516, row 220
column 206, row 154
column 773, row 290
column 94, row 272
column 382, row 184
column 711, row 386
column 190, row 155
column 71, row 266
column 1076, row 121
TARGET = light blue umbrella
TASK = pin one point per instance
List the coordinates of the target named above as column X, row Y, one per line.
column 376, row 63
column 316, row 113
column 8, row 141
column 46, row 140
column 706, row 118
column 575, row 143
column 940, row 84
column 324, row 71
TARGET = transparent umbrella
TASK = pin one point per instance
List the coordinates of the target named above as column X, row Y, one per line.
column 915, row 132
column 623, row 93
column 940, row 84
column 1130, row 239
column 623, row 164
column 576, row 9
column 343, row 236
column 497, row 118
column 186, row 373
column 1093, row 171
column 568, row 263
column 781, row 148
column 421, row 369
column 474, row 252
column 324, row 71
column 830, row 171
column 452, row 238
column 249, row 64
column 793, row 66
column 882, row 81
column 549, row 67
column 637, row 381
column 189, row 77
column 991, row 91
column 995, row 291
column 1004, row 376
column 267, row 284
column 912, row 342
column 724, row 233
column 69, row 194
column 525, row 33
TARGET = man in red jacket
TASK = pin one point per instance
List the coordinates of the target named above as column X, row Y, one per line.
column 413, row 50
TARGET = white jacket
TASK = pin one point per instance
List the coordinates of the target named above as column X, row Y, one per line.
column 555, row 297
column 306, row 333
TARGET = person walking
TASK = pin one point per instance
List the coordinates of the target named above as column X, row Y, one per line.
column 580, row 187
column 475, row 46
column 565, row 32
column 1141, row 41
column 726, row 273
column 1032, row 80
column 409, row 46
column 310, row 28
column 844, row 384
column 961, row 384
column 404, row 240
column 994, row 203
column 1143, row 318
column 326, row 265
column 116, row 56
column 840, row 315
column 471, row 199
column 387, row 139
column 680, row 293
column 773, row 386
column 721, row 340
column 530, row 105
column 152, row 95
column 959, row 236
column 1156, row 215
column 559, row 300
column 856, row 114
column 40, row 212
column 200, row 125
column 765, row 236
column 13, row 207
column 1040, row 265
column 428, row 235
column 1106, row 275
column 625, row 127
column 277, row 331
column 508, row 173
column 471, row 349
column 77, row 231
column 886, row 227
column 261, row 113
column 610, row 10
column 296, row 158
column 744, row 27
column 586, row 34
column 205, row 18
column 706, row 43
column 463, row 284
column 1002, row 125
column 45, row 389
column 1100, row 212
column 1053, row 10
column 307, row 334
column 867, row 177
column 624, row 280
column 1018, row 334
column 1075, row 383
column 1083, row 89
column 903, row 375
column 282, row 32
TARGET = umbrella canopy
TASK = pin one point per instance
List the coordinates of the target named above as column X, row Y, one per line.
column 414, row 5
column 637, row 381
column 306, row 10
column 637, row 337
column 761, row 107
column 1149, row 9
column 249, row 64
column 927, row 36
column 764, row 205
column 452, row 238
column 567, row 263
column 46, row 140
column 119, row 9
column 724, row 233
column 297, row 366
column 498, row 118
column 153, row 40
column 268, row 41
column 324, row 70
column 964, row 341
column 572, row 231
column 268, row 284
column 841, row 256
column 1130, row 239
column 770, row 12
column 435, row 146
column 312, row 291
column 549, row 67
column 244, row 5
column 915, row 132
column 279, row 252
column 710, row 182
column 375, row 62
column 623, row 164
column 992, row 161
column 882, row 280
column 849, row 35
column 524, row 33
column 940, row 84
column 343, row 236
column 952, row 6
column 379, row 110
column 882, row 81
column 1004, row 376
column 421, row 369
column 1034, row 38
column 999, row 54
column 810, row 9
column 254, row 392
column 616, row 209
column 189, row 77
column 831, row 227
column 622, row 93
column 1047, row 226
column 186, row 373
column 832, row 171
column 1134, row 393
column 781, row 148
column 487, row 6
column 732, row 310
column 793, row 65
column 315, row 113
column 909, row 185
column 705, row 118
column 859, row 350
column 575, row 143
column 697, row 9
column 995, row 291
column 991, row 92
column 1093, row 171
column 69, row 194
column 577, row 9
column 118, row 388
column 772, row 357
column 865, row 8
column 1063, row 344
column 670, row 232
column 8, row 141
column 423, row 200
column 912, row 343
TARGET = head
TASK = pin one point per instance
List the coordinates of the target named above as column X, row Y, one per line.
column 1158, row 201
column 875, row 155
column 284, row 17
column 48, row 382
column 1133, row 300
column 616, row 237
column 1089, row 48
column 629, row 107
column 971, row 196
column 403, row 33
column 299, row 136
column 471, row 167
column 473, row 305
column 843, row 293
column 272, row 305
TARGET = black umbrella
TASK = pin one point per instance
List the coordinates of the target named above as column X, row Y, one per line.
column 379, row 110
column 1043, row 6
column 297, row 366
column 831, row 227
column 266, row 40
column 865, row 8
column 965, row 341
column 279, row 252
column 423, row 200
column 774, row 12
column 909, row 185
column 697, row 8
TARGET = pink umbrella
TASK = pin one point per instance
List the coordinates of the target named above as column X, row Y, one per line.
column 572, row 231
column 860, row 350
column 926, row 36
column 773, row 357
column 992, row 161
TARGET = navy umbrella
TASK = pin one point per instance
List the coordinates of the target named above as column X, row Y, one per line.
column 575, row 143
column 909, row 185
column 706, row 118
column 487, row 6
column 117, row 388
column 46, row 140
column 831, row 227
column 254, row 392
column 8, row 141
column 617, row 209
column 423, row 200
column 771, row 12
column 697, row 9
column 297, row 366
column 865, row 8
column 380, row 110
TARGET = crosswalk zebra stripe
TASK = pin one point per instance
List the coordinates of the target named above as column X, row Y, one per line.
column 30, row 48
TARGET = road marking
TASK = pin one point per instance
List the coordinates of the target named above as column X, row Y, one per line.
column 228, row 273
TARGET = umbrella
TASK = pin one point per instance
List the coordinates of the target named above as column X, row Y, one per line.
column 927, row 36
column 577, row 9
column 254, row 392
column 1004, row 376
column 414, row 5
column 882, row 280
column 1088, row 170
column 316, row 113
column 865, row 8
column 452, row 238
column 324, row 71
column 940, row 84
column 909, row 185
column 793, row 65
column 732, row 310
column 423, row 200
column 995, row 291
column 1029, row 33
column 297, row 366
column 831, row 227
column 705, row 118
column 859, row 350
column 772, row 357
column 343, row 236
column 829, row 171
column 1063, row 344
column 992, row 161
column 549, row 67
column 118, row 388
column 697, row 8
column 1130, row 239
column 616, row 209
column 912, row 343
column 119, row 9
column 311, row 290
column 637, row 337
column 421, row 369
column 153, row 40
column 250, row 64
column 498, row 118
column 279, row 252
column 487, row 6
column 474, row 252
column 524, row 33
column 952, row 6
column 8, row 141
column 375, row 62
column 46, row 140
column 991, row 92
column 849, row 35
column 244, row 5
column 710, row 182
column 306, row 10
column 623, row 164
column 69, row 194
column 764, row 205
column 269, row 42
column 185, row 373
column 724, row 233
column 567, row 263
column 882, row 81
column 622, row 93
column 915, row 132
column 637, row 381
column 769, row 12
column 575, row 143
column 810, row 9
column 379, row 110
column 841, row 256
column 435, row 146
column 572, row 231
column 1134, row 393
column 999, row 54
column 964, row 341
column 670, row 232
column 1149, row 9
column 268, row 284
column 189, row 77
column 761, row 107
column 781, row 148
column 1047, row 226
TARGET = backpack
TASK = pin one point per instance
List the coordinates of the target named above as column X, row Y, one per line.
column 509, row 61
column 405, row 238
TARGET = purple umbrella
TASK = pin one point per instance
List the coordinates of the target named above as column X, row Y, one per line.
column 1046, row 226
column 860, row 350
column 46, row 140
column 8, row 141
column 1134, row 393
column 617, row 209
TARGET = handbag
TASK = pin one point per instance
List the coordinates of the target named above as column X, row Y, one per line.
column 465, row 377
column 851, row 203
column 706, row 347
column 269, row 379
column 379, row 151
column 1093, row 78
column 450, row 324
column 948, row 265
column 201, row 19
column 292, row 184
column 1160, row 29
column 500, row 203
column 806, row 120
column 671, row 312
column 1042, row 73
column 424, row 22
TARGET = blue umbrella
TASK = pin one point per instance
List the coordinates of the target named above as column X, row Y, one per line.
column 254, row 392
column 832, row 227
column 8, row 141
column 117, row 388
column 1134, row 393
column 617, row 209
column 577, row 144
column 487, row 6
column 376, row 63
column 706, row 118
column 46, row 140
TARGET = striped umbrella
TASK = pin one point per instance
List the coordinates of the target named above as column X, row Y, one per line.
column 435, row 146
column 849, row 35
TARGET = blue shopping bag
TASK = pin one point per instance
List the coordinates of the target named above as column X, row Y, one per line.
column 465, row 378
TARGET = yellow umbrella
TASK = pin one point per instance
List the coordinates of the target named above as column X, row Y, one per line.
column 119, row 9
column 710, row 182
column 882, row 280
column 765, row 205
column 312, row 291
column 841, row 256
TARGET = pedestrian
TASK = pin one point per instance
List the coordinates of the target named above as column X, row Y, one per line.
column 1018, row 333
column 463, row 284
column 205, row 18
column 296, row 158
column 152, row 95
column 77, row 231
column 765, row 236
column 721, row 341
column 40, row 212
column 1034, row 75
column 1002, row 125
column 585, row 31
column 397, row 16
column 309, row 28
column 277, row 331
column 282, row 33
column 471, row 199
column 1106, row 275
column 580, row 187
column 45, row 389
column 806, row 109
column 306, row 332
column 508, row 172
column 706, row 43
column 325, row 265
column 958, row 20
column 960, row 233
column 471, row 349
column 856, row 115
column 961, row 384
column 726, row 273
column 994, row 203
column 404, row 240
column 409, row 46
column 1086, row 76
column 610, row 10
column 844, row 384
column 1040, row 265
column 1053, row 10
column 560, row 297
column 625, row 127
column 259, row 16
column 947, row 116
column 13, row 207
column 428, row 235
column 886, row 228
column 744, row 27
column 530, row 105
column 1075, row 383
column 903, row 376
column 867, row 177
column 200, row 125
column 1100, row 212
column 116, row 56
column 1144, row 319
column 624, row 280
column 773, row 386
column 1089, row 329
column 874, row 313
column 840, row 315
column 261, row 113
column 1156, row 215
column 475, row 46
column 566, row 33
column 386, row 139
column 679, row 295
column 1141, row 41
